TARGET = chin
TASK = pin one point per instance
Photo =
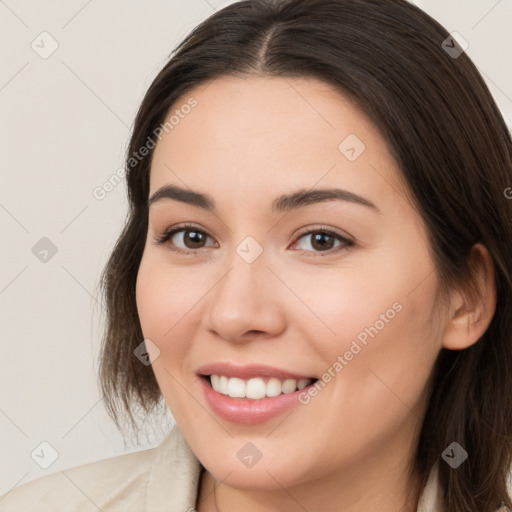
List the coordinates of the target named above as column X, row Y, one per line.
column 266, row 475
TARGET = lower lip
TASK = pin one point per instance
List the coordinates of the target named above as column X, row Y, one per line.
column 246, row 411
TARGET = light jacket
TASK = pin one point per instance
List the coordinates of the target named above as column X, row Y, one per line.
column 161, row 479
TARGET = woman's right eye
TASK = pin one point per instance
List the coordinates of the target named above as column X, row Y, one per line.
column 188, row 235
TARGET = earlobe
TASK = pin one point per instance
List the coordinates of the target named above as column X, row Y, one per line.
column 473, row 310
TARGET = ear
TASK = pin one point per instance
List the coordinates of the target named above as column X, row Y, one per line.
column 471, row 312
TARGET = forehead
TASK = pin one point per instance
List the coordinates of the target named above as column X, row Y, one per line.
column 253, row 134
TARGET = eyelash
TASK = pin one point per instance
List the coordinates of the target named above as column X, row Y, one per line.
column 169, row 233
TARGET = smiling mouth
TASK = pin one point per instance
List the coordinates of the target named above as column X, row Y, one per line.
column 256, row 388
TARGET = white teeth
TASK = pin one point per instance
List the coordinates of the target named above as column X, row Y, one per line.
column 289, row 386
column 236, row 388
column 223, row 385
column 273, row 387
column 256, row 388
column 302, row 383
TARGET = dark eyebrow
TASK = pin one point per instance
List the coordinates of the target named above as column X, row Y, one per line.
column 282, row 203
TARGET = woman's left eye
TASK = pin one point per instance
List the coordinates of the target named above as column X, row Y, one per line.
column 324, row 239
column 320, row 239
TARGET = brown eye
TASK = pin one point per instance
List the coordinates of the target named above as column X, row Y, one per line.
column 192, row 239
column 184, row 239
column 322, row 240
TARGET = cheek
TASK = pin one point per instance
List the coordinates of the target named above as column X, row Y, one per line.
column 335, row 308
column 378, row 318
column 165, row 300
column 165, row 297
column 163, row 314
column 398, row 347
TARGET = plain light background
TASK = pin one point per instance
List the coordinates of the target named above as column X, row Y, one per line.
column 65, row 123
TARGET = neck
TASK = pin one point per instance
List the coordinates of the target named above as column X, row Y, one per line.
column 383, row 487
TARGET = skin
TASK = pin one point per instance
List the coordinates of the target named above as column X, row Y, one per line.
column 247, row 141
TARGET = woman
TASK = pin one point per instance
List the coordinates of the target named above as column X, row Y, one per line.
column 315, row 275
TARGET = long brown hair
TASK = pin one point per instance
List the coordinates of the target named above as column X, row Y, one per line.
column 454, row 151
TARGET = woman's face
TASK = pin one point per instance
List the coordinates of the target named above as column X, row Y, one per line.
column 270, row 290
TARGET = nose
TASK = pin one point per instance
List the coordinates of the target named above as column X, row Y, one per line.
column 246, row 302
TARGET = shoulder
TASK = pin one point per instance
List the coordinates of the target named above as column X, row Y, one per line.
column 116, row 483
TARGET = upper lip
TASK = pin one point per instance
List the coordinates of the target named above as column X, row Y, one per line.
column 249, row 371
